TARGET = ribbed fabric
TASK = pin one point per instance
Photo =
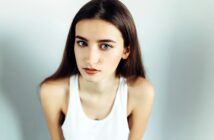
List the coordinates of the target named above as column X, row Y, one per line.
column 78, row 126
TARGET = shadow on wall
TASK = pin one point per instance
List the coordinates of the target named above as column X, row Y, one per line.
column 18, row 83
column 185, row 84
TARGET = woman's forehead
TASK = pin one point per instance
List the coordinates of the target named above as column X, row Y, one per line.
column 97, row 29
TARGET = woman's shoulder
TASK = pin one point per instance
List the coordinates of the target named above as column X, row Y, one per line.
column 139, row 84
column 139, row 89
column 55, row 87
column 55, row 91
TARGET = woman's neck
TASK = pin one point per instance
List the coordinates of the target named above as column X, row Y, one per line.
column 105, row 86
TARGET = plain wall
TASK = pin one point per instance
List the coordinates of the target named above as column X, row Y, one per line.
column 176, row 38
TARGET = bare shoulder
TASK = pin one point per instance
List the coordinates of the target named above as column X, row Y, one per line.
column 140, row 91
column 140, row 87
column 54, row 89
column 54, row 92
column 140, row 101
column 52, row 96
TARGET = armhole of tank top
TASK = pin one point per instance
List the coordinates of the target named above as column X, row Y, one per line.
column 126, row 103
column 67, row 116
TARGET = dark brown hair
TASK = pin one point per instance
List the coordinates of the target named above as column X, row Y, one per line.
column 116, row 13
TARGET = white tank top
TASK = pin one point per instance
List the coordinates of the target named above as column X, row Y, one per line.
column 78, row 126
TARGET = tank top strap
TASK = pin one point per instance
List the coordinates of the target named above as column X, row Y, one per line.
column 123, row 95
column 71, row 108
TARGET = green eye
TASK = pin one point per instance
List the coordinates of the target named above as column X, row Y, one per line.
column 105, row 46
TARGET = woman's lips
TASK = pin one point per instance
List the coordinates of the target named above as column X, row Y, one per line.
column 90, row 71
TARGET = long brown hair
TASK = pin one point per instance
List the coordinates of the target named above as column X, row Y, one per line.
column 116, row 13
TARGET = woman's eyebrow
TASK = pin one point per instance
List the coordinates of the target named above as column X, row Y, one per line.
column 80, row 37
column 107, row 40
column 101, row 40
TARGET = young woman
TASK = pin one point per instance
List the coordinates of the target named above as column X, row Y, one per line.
column 99, row 91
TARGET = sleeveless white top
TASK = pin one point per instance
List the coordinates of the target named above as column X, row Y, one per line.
column 78, row 126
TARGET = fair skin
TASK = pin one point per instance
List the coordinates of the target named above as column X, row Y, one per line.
column 100, row 47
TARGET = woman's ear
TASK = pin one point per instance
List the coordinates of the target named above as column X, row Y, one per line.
column 126, row 52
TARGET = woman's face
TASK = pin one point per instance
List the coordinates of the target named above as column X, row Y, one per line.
column 98, row 45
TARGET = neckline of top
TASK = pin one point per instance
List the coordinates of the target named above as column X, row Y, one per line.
column 112, row 109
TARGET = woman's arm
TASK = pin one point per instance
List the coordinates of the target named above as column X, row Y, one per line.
column 51, row 101
column 142, row 109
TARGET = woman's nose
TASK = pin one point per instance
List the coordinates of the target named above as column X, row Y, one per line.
column 92, row 56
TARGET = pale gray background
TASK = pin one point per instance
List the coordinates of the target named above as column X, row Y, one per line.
column 178, row 51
